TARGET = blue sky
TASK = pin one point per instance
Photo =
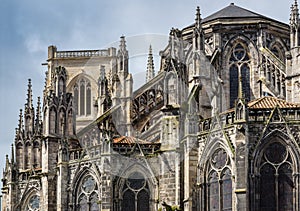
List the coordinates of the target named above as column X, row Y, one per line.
column 29, row 27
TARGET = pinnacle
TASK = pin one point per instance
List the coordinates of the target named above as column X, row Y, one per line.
column 150, row 66
column 198, row 15
column 29, row 95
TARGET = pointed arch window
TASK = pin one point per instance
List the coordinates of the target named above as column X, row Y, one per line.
column 83, row 97
column 277, row 52
column 276, row 178
column 136, row 194
column 239, row 69
column 87, row 194
column 219, row 182
column 33, row 203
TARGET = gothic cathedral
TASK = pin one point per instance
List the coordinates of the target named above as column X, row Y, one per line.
column 217, row 128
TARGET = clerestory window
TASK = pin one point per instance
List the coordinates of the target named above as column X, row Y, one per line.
column 239, row 70
column 82, row 97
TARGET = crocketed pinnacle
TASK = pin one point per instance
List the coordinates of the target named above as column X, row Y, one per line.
column 150, row 66
column 29, row 96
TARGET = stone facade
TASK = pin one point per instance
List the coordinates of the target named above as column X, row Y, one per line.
column 217, row 128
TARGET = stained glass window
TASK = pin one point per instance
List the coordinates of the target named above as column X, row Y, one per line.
column 83, row 205
column 214, row 197
column 285, row 187
column 88, row 99
column 276, row 179
column 239, row 70
column 83, row 97
column 245, row 71
column 76, row 98
column 33, row 204
column 219, row 182
column 128, row 202
column 234, row 85
column 136, row 195
column 219, row 158
column 227, row 190
column 88, row 184
column 87, row 194
column 267, row 181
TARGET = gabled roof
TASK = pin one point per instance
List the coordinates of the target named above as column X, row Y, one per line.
column 233, row 11
column 271, row 102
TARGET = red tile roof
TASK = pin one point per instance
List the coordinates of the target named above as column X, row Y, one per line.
column 271, row 102
column 130, row 140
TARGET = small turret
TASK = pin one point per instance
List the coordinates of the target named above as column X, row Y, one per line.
column 122, row 59
column 150, row 66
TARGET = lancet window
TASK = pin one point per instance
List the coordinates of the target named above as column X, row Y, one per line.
column 82, row 97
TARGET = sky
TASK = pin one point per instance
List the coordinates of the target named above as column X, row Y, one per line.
column 29, row 27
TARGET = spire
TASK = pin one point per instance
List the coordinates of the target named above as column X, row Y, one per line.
column 150, row 66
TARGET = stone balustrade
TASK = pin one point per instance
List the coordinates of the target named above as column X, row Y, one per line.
column 88, row 53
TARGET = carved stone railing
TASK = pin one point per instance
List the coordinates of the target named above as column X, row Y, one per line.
column 88, row 53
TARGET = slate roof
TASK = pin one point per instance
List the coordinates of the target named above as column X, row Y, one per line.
column 233, row 11
column 271, row 102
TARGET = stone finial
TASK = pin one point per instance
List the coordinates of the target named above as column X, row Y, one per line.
column 198, row 17
column 150, row 66
column 294, row 17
